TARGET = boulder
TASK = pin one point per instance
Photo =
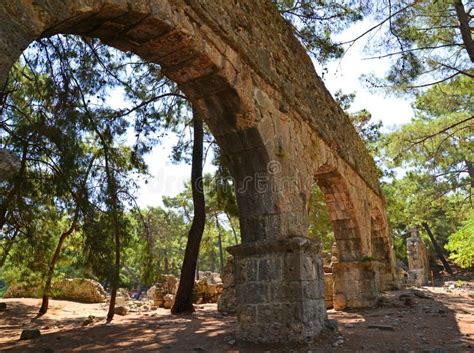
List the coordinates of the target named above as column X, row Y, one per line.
column 80, row 290
column 121, row 310
column 30, row 333
column 168, row 301
column 75, row 289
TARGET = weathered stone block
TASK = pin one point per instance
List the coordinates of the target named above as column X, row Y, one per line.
column 289, row 300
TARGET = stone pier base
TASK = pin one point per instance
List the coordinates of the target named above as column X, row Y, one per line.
column 355, row 284
column 388, row 279
column 280, row 291
column 329, row 290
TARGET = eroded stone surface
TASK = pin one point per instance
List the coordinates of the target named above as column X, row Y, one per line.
column 76, row 289
column 418, row 264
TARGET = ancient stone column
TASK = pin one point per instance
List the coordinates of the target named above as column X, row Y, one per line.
column 279, row 290
column 418, row 264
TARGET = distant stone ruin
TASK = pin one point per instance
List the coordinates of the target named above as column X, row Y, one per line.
column 207, row 289
column 418, row 264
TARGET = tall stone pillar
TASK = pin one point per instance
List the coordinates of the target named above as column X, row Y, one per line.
column 280, row 290
column 418, row 265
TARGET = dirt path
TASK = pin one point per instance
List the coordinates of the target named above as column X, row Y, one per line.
column 442, row 322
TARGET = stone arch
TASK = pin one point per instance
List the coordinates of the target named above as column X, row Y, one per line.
column 270, row 113
column 382, row 249
column 354, row 274
column 378, row 227
column 342, row 213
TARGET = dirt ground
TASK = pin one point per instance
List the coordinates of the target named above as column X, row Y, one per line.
column 439, row 319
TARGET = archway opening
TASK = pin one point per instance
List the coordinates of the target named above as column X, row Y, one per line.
column 351, row 272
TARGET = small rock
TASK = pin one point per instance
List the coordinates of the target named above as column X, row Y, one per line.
column 422, row 295
column 382, row 327
column 408, row 301
column 120, row 310
column 404, row 295
column 338, row 343
column 331, row 324
column 88, row 321
column 349, row 325
column 30, row 333
column 231, row 342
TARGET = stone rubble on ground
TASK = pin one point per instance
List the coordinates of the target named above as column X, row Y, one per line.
column 207, row 289
column 30, row 333
column 121, row 310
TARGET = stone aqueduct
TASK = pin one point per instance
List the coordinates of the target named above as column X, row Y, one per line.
column 242, row 68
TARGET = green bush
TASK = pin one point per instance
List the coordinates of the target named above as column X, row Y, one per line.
column 461, row 244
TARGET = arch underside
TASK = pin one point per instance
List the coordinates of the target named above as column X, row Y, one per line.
column 275, row 122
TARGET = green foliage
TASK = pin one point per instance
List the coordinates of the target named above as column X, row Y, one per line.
column 461, row 244
column 320, row 225
column 432, row 157
column 316, row 22
column 423, row 42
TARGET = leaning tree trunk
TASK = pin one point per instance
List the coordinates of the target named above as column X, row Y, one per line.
column 437, row 248
column 47, row 286
column 184, row 297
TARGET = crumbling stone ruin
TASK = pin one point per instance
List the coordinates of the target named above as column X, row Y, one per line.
column 418, row 264
column 227, row 302
column 75, row 289
column 207, row 289
column 242, row 68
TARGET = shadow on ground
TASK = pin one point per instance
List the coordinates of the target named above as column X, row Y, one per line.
column 442, row 323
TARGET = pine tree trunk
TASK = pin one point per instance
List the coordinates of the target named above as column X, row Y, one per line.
column 115, row 280
column 464, row 28
column 236, row 239
column 114, row 203
column 221, row 251
column 47, row 286
column 184, row 297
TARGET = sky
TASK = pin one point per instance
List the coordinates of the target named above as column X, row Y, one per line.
column 167, row 179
